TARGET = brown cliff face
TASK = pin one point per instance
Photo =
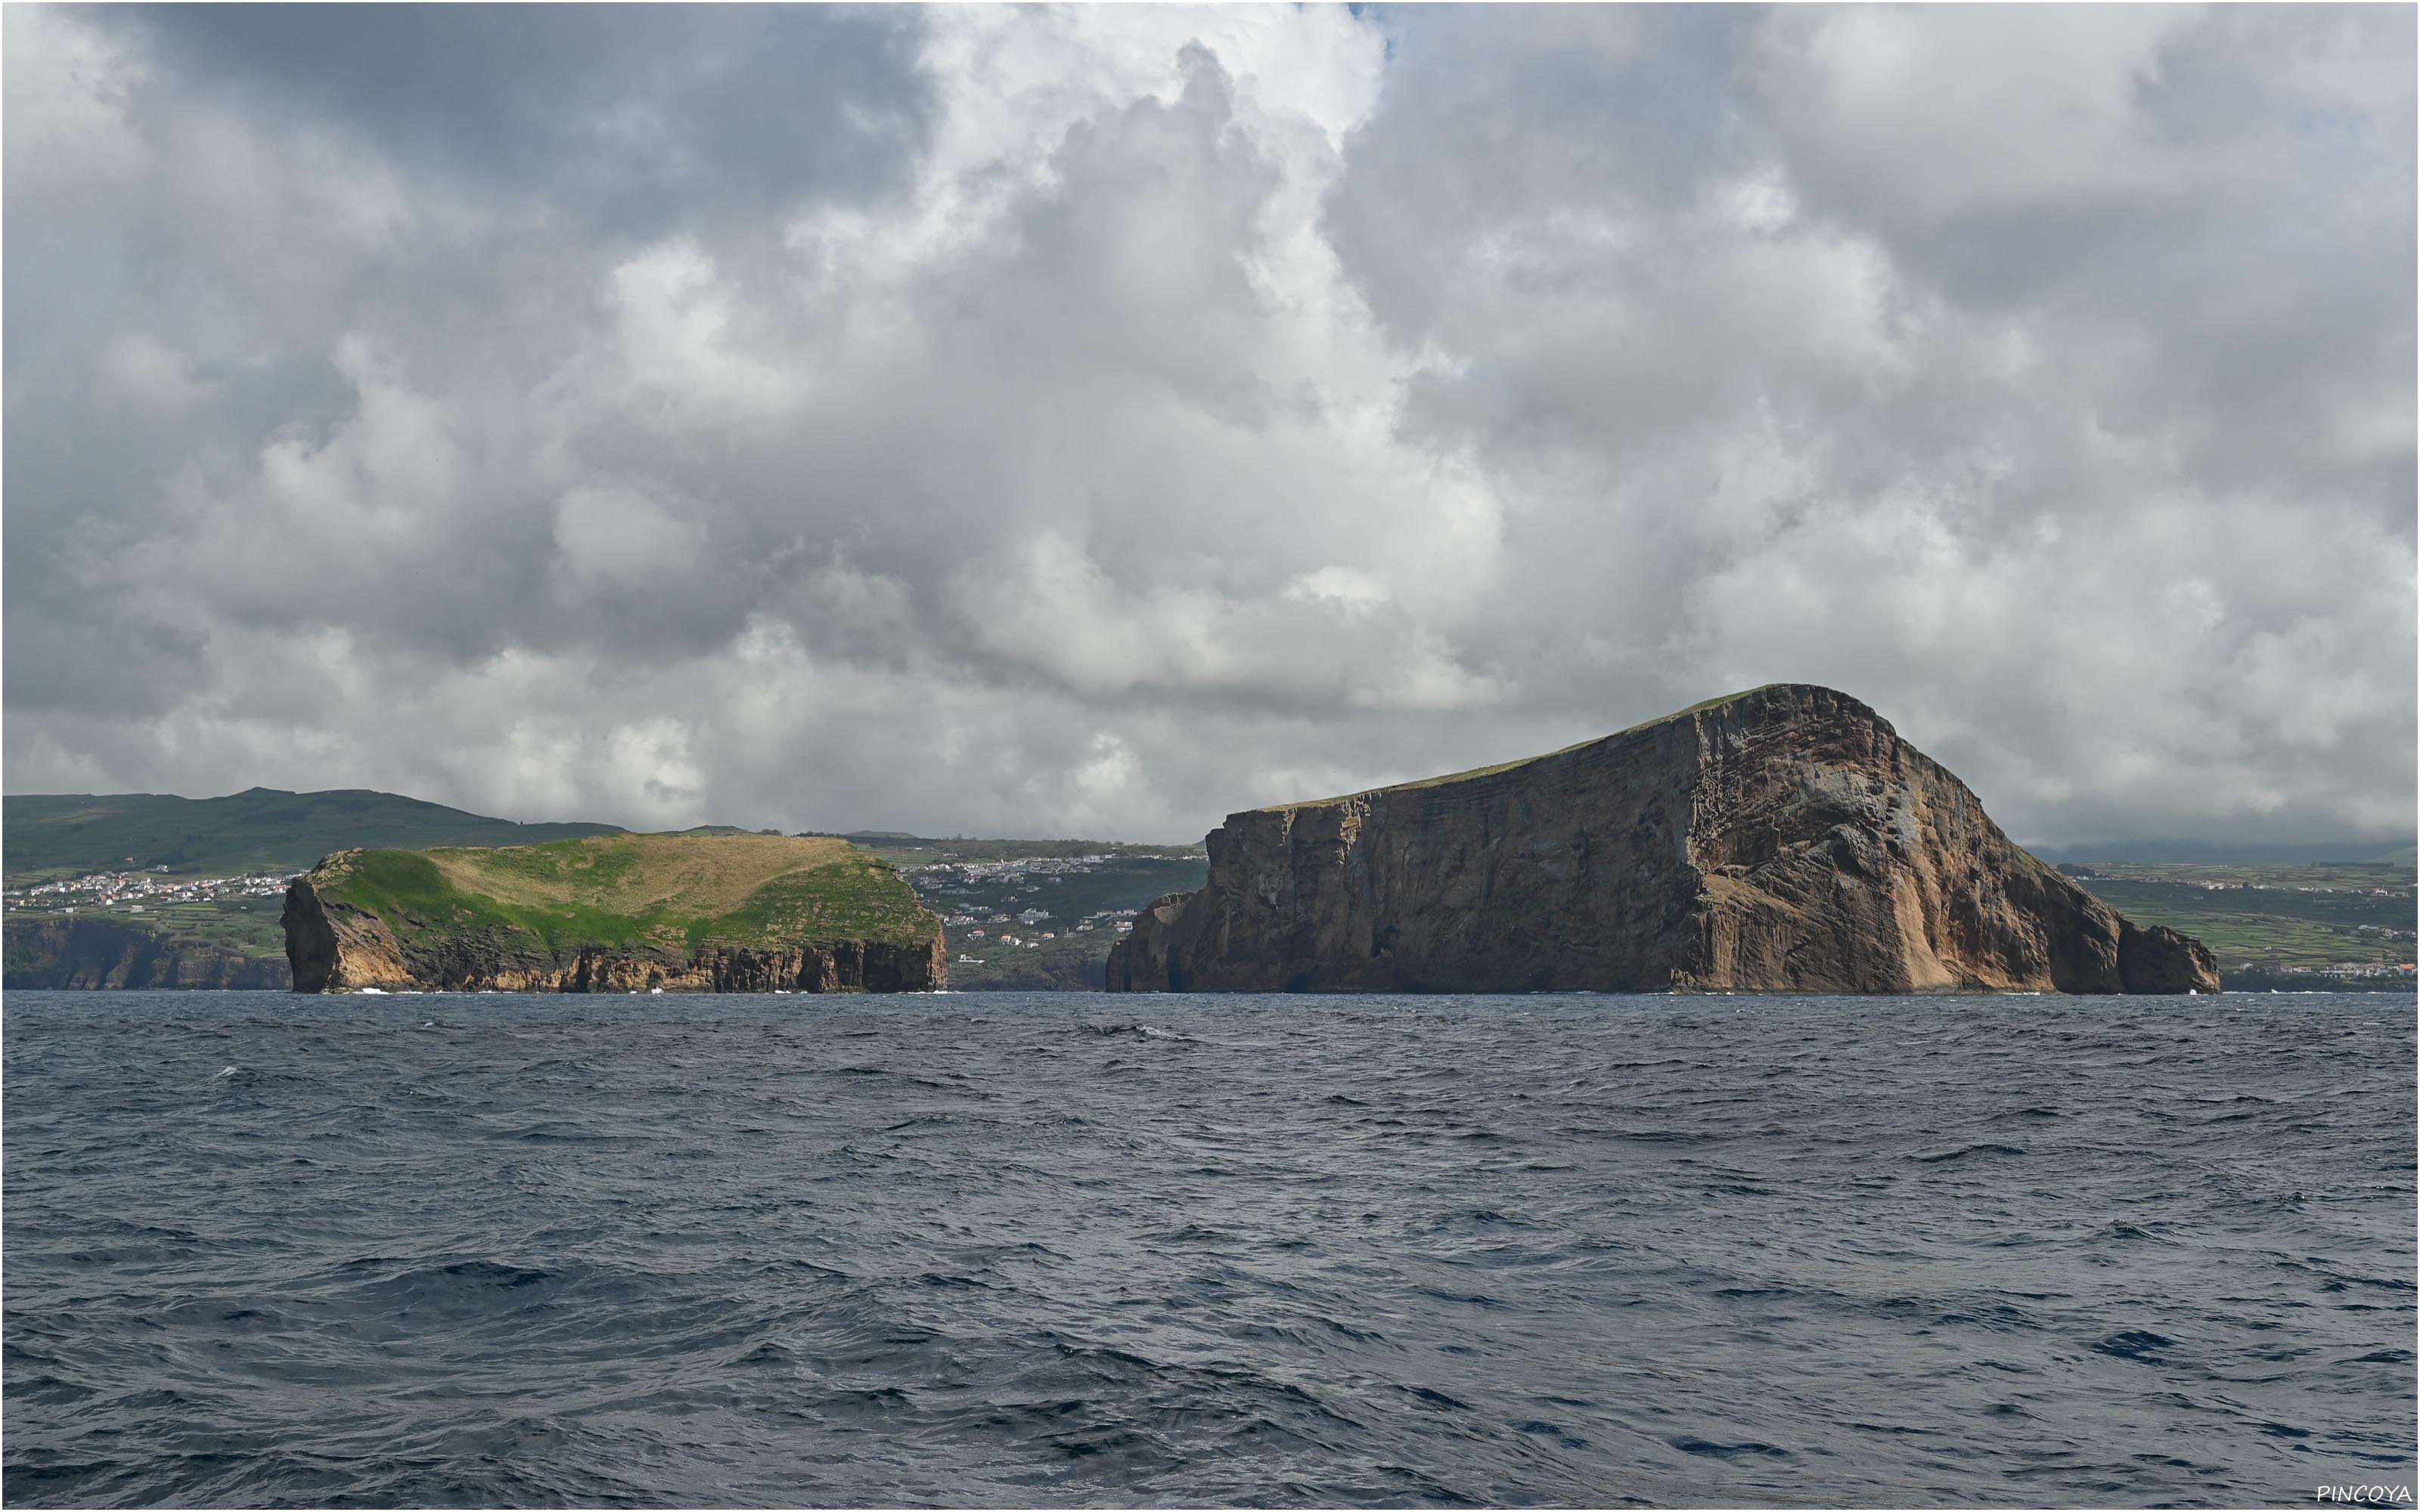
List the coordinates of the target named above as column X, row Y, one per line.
column 105, row 953
column 338, row 947
column 1783, row 840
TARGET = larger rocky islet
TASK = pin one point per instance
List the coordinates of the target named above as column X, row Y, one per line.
column 1783, row 839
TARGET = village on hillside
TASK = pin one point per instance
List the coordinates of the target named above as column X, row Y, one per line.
column 1044, row 921
column 137, row 892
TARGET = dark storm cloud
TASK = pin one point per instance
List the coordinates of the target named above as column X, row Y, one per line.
column 1098, row 419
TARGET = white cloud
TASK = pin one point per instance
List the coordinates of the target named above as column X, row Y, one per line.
column 67, row 89
column 613, row 537
column 1936, row 110
column 680, row 350
column 1145, row 412
column 146, row 373
column 1350, row 588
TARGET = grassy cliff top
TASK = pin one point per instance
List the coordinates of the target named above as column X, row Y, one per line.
column 1524, row 760
column 674, row 891
column 259, row 829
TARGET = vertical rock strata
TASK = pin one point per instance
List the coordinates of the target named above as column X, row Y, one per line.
column 1786, row 840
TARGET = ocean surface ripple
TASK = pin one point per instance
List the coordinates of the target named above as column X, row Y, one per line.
column 1037, row 1250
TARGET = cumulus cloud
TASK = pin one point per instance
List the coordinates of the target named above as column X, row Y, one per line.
column 1934, row 114
column 65, row 107
column 142, row 371
column 1095, row 419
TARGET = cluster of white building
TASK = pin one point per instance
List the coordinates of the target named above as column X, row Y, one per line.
column 135, row 892
column 936, row 882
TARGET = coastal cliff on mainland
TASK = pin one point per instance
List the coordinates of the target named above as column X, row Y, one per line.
column 618, row 913
column 120, row 956
column 1782, row 839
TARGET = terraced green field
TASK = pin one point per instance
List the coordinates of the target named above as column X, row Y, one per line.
column 248, row 927
column 2272, row 917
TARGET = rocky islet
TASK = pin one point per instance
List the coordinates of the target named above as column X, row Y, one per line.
column 625, row 913
column 1781, row 840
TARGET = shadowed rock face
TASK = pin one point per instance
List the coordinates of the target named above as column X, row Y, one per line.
column 1786, row 840
column 97, row 952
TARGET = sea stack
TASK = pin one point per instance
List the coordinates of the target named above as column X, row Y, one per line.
column 613, row 913
column 1784, row 839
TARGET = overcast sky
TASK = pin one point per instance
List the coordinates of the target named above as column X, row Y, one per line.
column 1092, row 422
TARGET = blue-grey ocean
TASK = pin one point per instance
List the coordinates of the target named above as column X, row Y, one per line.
column 1078, row 1250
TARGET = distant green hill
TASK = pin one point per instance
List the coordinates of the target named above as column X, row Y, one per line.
column 2264, row 919
column 917, row 850
column 2209, row 853
column 261, row 830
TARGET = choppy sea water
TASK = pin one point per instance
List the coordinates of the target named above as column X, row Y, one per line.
column 1075, row 1250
